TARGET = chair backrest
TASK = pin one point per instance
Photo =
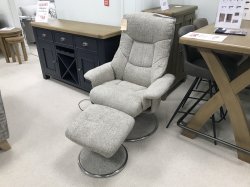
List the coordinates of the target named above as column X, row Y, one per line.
column 194, row 64
column 144, row 49
column 200, row 22
column 190, row 54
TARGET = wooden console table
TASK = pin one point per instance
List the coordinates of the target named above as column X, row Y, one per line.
column 228, row 90
column 68, row 49
column 184, row 15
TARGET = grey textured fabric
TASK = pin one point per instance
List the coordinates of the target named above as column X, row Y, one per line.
column 200, row 22
column 29, row 10
column 101, row 129
column 121, row 95
column 159, row 87
column 141, row 59
column 4, row 133
column 100, row 74
column 142, row 56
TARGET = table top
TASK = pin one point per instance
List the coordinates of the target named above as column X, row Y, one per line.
column 80, row 28
column 12, row 31
column 233, row 43
column 174, row 10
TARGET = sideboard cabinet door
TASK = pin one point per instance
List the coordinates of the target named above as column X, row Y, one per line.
column 86, row 61
column 47, row 57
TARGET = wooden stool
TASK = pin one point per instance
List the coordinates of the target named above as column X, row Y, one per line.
column 13, row 45
column 3, row 44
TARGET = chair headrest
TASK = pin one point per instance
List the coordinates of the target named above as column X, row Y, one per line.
column 149, row 28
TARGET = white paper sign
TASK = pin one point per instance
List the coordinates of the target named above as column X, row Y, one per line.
column 164, row 4
column 247, row 11
column 42, row 12
column 208, row 37
column 230, row 13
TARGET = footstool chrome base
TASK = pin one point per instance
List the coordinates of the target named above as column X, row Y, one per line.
column 95, row 165
column 145, row 126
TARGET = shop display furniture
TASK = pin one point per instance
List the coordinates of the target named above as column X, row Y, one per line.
column 130, row 86
column 15, row 32
column 13, row 44
column 68, row 49
column 228, row 89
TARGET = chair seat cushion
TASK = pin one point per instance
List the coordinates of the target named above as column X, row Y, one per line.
column 121, row 95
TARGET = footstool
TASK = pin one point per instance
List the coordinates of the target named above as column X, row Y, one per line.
column 101, row 130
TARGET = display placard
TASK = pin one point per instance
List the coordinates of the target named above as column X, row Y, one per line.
column 42, row 12
column 230, row 14
column 164, row 4
column 247, row 11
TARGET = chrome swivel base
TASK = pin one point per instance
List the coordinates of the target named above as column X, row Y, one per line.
column 145, row 126
column 95, row 165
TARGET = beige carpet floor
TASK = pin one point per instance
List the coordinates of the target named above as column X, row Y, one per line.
column 39, row 111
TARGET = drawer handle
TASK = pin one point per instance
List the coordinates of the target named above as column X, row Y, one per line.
column 44, row 35
column 62, row 39
column 85, row 44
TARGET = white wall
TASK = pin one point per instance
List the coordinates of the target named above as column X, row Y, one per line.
column 8, row 13
column 25, row 2
column 131, row 6
column 92, row 11
column 206, row 8
column 95, row 12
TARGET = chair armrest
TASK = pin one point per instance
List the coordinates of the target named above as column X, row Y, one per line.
column 158, row 88
column 100, row 74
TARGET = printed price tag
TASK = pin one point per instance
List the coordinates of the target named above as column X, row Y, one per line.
column 124, row 24
column 42, row 12
column 164, row 4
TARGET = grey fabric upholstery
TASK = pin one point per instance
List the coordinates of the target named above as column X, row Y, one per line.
column 142, row 56
column 121, row 95
column 101, row 129
column 200, row 22
column 159, row 87
column 4, row 133
column 29, row 10
column 100, row 74
column 141, row 59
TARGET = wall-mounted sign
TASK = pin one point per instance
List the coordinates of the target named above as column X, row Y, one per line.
column 106, row 2
column 230, row 13
column 42, row 12
column 164, row 4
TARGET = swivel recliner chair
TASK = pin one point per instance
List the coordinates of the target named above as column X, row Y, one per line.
column 134, row 82
column 136, row 79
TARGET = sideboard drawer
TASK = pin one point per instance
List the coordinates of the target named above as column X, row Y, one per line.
column 44, row 34
column 86, row 43
column 63, row 38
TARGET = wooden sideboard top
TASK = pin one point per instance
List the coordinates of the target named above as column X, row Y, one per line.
column 80, row 28
column 174, row 10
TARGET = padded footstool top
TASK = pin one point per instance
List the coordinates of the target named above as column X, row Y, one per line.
column 101, row 129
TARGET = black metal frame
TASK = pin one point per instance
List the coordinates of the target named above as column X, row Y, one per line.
column 183, row 126
column 193, row 88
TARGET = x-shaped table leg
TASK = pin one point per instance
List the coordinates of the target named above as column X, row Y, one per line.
column 228, row 96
